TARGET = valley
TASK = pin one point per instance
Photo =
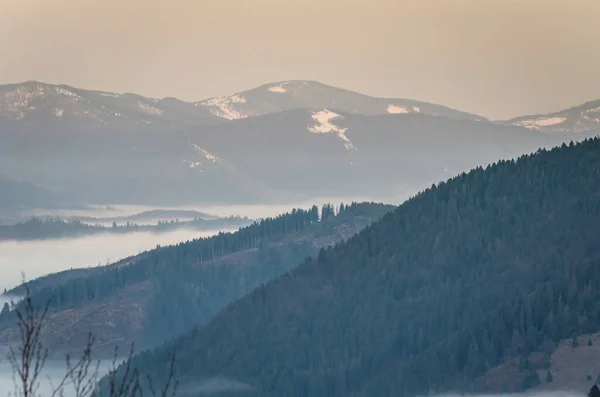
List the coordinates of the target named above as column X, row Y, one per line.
column 160, row 293
column 459, row 257
column 489, row 266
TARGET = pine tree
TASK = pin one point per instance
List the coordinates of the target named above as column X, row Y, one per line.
column 549, row 377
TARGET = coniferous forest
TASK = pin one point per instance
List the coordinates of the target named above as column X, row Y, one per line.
column 177, row 287
column 491, row 265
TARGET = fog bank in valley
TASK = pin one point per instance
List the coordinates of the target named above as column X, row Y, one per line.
column 252, row 211
column 38, row 258
column 55, row 370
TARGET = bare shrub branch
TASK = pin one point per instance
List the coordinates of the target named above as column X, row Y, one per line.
column 29, row 358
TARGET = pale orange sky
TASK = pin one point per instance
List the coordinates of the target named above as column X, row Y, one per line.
column 496, row 58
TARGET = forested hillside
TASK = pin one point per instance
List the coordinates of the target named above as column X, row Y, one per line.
column 162, row 293
column 488, row 266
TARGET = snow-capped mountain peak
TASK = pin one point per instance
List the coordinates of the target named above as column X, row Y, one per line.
column 304, row 94
column 39, row 102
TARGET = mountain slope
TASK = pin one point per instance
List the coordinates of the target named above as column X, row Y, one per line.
column 35, row 103
column 313, row 150
column 328, row 151
column 298, row 94
column 578, row 119
column 18, row 195
column 281, row 142
column 162, row 293
column 457, row 280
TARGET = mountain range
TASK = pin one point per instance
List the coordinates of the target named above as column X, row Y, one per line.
column 36, row 102
column 284, row 141
column 485, row 282
column 475, row 284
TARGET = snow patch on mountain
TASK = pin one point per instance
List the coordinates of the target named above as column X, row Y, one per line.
column 94, row 116
column 591, row 114
column 18, row 100
column 324, row 126
column 541, row 122
column 223, row 107
column 68, row 93
column 149, row 109
column 393, row 109
column 110, row 94
column 278, row 89
column 206, row 154
column 193, row 164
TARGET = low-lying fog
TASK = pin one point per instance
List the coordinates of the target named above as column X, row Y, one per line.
column 252, row 211
column 38, row 258
column 55, row 370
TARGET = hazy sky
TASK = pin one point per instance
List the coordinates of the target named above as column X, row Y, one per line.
column 492, row 57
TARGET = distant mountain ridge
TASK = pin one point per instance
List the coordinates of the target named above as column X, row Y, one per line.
column 34, row 101
column 581, row 118
column 281, row 142
column 301, row 94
